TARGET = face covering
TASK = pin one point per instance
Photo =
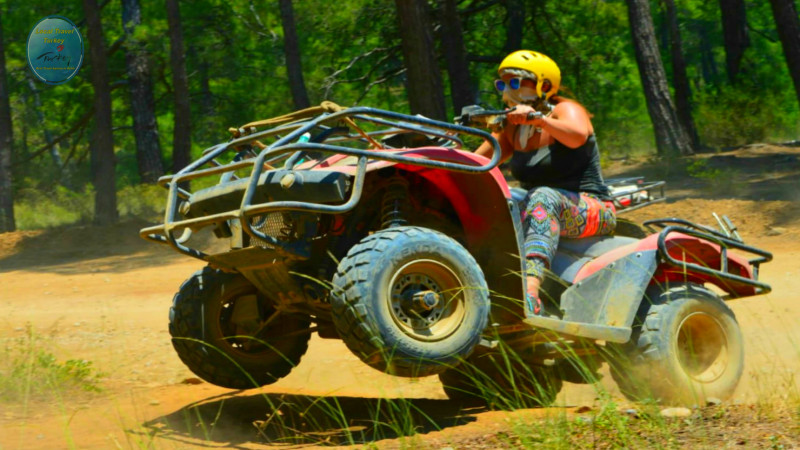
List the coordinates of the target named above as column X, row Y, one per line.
column 513, row 97
column 526, row 96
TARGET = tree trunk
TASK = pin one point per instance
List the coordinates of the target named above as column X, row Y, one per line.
column 788, row 25
column 55, row 152
column 145, row 128
column 734, row 31
column 515, row 9
column 671, row 138
column 683, row 91
column 292, row 49
column 206, row 96
column 707, row 61
column 452, row 38
column 23, row 153
column 425, row 94
column 102, row 144
column 181, row 137
column 7, row 222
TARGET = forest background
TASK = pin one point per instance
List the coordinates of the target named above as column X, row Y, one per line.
column 163, row 80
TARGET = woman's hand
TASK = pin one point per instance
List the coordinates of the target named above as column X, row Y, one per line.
column 519, row 116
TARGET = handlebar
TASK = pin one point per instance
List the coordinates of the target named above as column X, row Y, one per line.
column 495, row 120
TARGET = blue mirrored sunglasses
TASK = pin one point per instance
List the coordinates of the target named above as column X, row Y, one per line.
column 513, row 83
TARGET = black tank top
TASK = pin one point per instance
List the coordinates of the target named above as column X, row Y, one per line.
column 573, row 169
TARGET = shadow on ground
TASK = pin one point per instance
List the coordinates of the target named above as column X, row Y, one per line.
column 757, row 172
column 86, row 249
column 285, row 419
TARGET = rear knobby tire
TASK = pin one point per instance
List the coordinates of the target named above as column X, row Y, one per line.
column 373, row 309
column 220, row 351
column 686, row 347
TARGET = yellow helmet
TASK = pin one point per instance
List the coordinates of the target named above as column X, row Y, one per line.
column 548, row 75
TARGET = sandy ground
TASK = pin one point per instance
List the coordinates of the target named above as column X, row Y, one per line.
column 104, row 297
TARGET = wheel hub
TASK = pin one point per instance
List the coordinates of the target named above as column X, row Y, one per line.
column 423, row 301
column 243, row 325
column 702, row 347
column 426, row 300
column 415, row 299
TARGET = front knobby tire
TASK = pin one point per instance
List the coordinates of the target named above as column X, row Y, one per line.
column 410, row 301
column 686, row 347
column 250, row 351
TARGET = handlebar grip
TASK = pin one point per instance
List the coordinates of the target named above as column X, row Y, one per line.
column 534, row 115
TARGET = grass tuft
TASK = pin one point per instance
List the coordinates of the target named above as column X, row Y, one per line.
column 35, row 209
column 29, row 371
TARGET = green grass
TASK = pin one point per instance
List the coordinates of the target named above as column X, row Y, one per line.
column 505, row 384
column 725, row 180
column 734, row 117
column 29, row 371
column 506, row 378
column 34, row 209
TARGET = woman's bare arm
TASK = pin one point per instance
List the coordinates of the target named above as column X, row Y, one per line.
column 486, row 149
column 569, row 123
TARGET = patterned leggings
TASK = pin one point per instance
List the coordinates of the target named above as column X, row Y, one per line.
column 551, row 213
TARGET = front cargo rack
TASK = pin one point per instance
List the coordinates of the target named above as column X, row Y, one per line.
column 299, row 137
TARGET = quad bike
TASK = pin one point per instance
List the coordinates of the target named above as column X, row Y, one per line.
column 379, row 229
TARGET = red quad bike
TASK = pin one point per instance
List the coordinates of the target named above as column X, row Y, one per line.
column 379, row 229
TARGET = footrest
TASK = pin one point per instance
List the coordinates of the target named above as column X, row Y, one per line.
column 585, row 330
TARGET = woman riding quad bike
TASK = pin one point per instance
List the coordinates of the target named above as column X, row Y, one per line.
column 551, row 143
column 411, row 251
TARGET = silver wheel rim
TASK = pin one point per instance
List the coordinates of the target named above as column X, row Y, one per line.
column 427, row 276
column 702, row 347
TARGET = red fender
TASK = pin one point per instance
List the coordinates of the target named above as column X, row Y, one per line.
column 476, row 198
column 684, row 248
column 481, row 203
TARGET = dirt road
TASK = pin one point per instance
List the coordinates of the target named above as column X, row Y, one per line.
column 102, row 295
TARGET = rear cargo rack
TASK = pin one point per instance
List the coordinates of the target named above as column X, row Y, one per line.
column 291, row 144
column 674, row 225
column 632, row 193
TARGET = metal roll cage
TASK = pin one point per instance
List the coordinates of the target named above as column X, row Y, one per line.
column 289, row 148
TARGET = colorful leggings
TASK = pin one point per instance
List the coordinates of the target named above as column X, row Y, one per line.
column 551, row 213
